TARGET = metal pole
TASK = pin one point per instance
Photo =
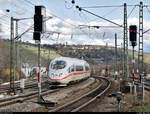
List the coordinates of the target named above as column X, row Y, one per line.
column 116, row 71
column 106, row 61
column 116, row 64
column 48, row 61
column 125, row 46
column 39, row 74
column 16, row 53
column 16, row 46
column 20, row 49
column 143, row 87
column 122, row 58
column 133, row 61
column 11, row 54
column 140, row 51
column 133, row 73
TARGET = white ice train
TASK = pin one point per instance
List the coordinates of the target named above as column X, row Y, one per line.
column 64, row 70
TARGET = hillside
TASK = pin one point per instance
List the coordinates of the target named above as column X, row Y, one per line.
column 101, row 56
column 97, row 56
column 27, row 54
column 146, row 56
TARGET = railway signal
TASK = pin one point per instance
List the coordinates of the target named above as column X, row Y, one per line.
column 133, row 41
column 133, row 35
column 39, row 24
column 40, row 13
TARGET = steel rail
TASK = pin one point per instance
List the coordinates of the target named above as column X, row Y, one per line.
column 85, row 95
column 87, row 103
column 28, row 96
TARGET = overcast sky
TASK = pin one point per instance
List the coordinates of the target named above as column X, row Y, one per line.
column 66, row 20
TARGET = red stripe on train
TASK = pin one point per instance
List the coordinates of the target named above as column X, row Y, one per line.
column 70, row 75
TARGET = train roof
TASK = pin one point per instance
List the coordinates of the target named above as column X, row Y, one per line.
column 72, row 60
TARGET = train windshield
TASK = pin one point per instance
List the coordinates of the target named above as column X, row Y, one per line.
column 58, row 65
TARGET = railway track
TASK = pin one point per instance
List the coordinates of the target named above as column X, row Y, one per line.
column 146, row 85
column 28, row 96
column 86, row 99
column 6, row 88
column 22, row 98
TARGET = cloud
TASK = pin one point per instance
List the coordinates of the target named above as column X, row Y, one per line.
column 1, row 12
column 83, row 35
column 9, row 1
column 73, row 34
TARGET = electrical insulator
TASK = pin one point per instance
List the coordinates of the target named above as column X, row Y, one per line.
column 73, row 2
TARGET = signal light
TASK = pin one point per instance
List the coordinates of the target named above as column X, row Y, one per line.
column 38, row 23
column 133, row 34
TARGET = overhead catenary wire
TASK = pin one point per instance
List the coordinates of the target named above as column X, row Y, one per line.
column 149, row 12
column 31, row 27
column 19, row 7
column 102, row 6
column 75, row 26
column 6, row 15
column 110, row 11
column 109, row 6
column 53, row 15
column 131, row 11
column 148, row 9
column 29, row 2
column 7, row 24
column 80, row 8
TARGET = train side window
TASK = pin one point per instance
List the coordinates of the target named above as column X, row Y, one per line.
column 71, row 69
column 59, row 64
column 87, row 68
column 79, row 68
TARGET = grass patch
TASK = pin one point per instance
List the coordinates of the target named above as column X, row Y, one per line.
column 142, row 106
column 146, row 56
column 44, row 52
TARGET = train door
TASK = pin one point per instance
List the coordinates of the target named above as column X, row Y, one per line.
column 87, row 69
column 79, row 72
column 71, row 72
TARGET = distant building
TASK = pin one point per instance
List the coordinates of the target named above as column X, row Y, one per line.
column 28, row 70
column 43, row 70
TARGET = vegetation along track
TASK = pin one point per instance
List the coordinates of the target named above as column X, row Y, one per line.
column 86, row 99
